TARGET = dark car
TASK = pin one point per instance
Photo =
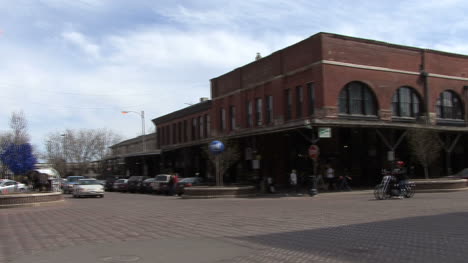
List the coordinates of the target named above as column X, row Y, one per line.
column 121, row 185
column 147, row 185
column 188, row 182
column 135, row 183
column 109, row 185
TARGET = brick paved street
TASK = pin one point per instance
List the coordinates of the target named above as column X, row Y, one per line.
column 334, row 227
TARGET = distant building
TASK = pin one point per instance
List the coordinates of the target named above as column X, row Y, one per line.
column 129, row 158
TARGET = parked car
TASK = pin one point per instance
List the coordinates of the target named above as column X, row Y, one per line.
column 10, row 186
column 146, row 185
column 121, row 185
column 188, row 182
column 135, row 183
column 71, row 180
column 161, row 184
column 88, row 187
column 109, row 185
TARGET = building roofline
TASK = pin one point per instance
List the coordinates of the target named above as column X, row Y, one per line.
column 192, row 109
column 356, row 39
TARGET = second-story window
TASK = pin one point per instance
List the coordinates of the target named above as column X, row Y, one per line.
column 232, row 117
column 200, row 127
column 185, row 131
column 269, row 109
column 222, row 119
column 249, row 114
column 299, row 100
column 194, row 129
column 311, row 97
column 208, row 125
column 258, row 111
column 288, row 104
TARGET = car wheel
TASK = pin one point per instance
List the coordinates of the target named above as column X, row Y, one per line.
column 102, row 196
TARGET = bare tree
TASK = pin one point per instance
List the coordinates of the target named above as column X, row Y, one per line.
column 80, row 147
column 225, row 160
column 19, row 127
column 425, row 146
column 18, row 135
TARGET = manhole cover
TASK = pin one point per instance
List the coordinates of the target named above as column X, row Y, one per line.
column 121, row 258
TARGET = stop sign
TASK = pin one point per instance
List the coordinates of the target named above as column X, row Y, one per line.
column 314, row 151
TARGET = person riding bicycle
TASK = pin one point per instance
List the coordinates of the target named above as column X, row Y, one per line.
column 401, row 175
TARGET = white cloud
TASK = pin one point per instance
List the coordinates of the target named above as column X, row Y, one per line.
column 82, row 43
column 81, row 70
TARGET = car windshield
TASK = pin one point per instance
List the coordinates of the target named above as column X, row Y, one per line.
column 88, row 182
column 162, row 177
column 188, row 180
column 74, row 179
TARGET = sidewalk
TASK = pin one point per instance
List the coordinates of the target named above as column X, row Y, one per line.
column 304, row 193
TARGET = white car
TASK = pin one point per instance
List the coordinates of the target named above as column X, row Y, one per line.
column 88, row 187
column 10, row 186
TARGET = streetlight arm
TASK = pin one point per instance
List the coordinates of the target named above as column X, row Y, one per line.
column 142, row 116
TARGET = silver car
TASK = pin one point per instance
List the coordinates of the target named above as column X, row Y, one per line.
column 88, row 187
column 10, row 186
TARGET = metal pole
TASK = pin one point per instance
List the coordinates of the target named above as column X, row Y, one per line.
column 143, row 130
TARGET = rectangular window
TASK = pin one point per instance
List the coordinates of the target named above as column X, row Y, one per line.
column 179, row 132
column 200, row 126
column 232, row 117
column 299, row 100
column 185, row 131
column 311, row 94
column 269, row 109
column 205, row 125
column 208, row 125
column 194, row 129
column 249, row 114
column 174, row 133
column 222, row 119
column 288, row 104
column 258, row 111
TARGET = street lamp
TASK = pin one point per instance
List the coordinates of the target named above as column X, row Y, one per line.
column 142, row 115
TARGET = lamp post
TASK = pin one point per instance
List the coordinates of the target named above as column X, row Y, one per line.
column 142, row 115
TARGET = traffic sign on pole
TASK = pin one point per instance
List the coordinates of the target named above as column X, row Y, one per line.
column 314, row 151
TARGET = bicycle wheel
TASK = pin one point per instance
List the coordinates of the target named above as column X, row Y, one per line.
column 409, row 191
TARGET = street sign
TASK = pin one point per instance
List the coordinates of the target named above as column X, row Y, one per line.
column 314, row 151
column 324, row 133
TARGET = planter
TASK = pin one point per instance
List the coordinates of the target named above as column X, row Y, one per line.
column 29, row 199
column 440, row 185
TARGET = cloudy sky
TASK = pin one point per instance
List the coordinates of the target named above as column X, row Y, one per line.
column 78, row 63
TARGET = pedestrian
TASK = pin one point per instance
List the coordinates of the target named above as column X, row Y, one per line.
column 271, row 186
column 343, row 181
column 293, row 180
column 330, row 177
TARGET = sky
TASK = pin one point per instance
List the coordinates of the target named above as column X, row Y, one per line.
column 76, row 64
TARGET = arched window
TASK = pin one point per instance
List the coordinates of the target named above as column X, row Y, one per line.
column 406, row 103
column 449, row 106
column 356, row 98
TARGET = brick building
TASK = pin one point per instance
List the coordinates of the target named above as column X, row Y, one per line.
column 367, row 93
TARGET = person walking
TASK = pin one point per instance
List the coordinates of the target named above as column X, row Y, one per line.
column 293, row 180
column 330, row 177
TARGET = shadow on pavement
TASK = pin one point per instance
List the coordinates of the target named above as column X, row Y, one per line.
column 440, row 238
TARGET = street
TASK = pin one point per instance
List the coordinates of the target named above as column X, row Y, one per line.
column 331, row 227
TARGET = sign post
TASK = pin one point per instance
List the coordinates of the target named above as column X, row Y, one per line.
column 216, row 148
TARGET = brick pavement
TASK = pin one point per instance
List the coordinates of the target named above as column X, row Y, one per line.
column 334, row 227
